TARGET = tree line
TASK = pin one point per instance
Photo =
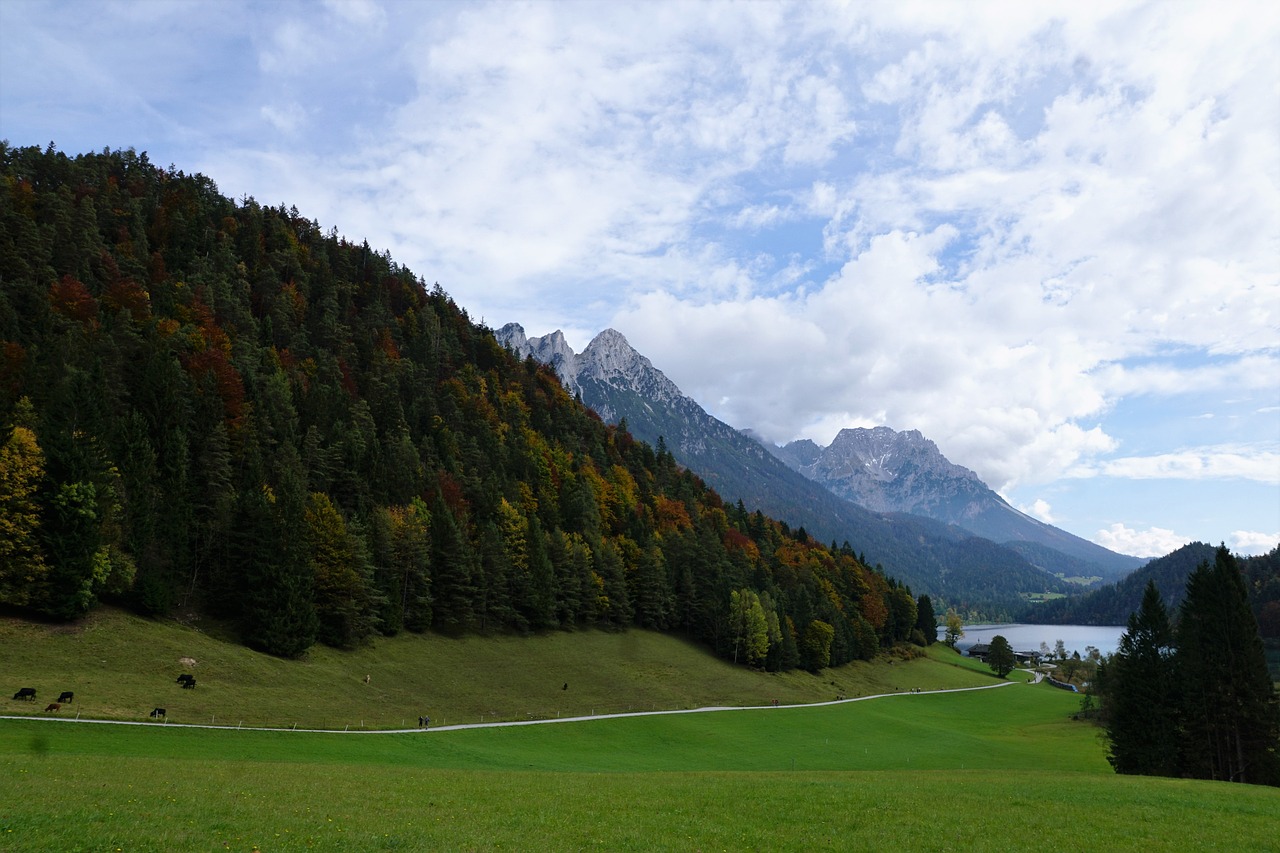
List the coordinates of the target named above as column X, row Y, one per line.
column 216, row 407
column 1191, row 696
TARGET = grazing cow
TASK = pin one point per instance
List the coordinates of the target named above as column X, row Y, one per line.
column 53, row 706
column 66, row 696
column 189, row 684
column 158, row 713
column 184, row 678
column 27, row 693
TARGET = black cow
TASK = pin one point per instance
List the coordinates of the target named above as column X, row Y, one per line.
column 66, row 696
column 189, row 684
column 184, row 678
column 27, row 693
column 158, row 713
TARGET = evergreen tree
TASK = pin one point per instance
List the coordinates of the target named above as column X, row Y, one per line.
column 452, row 579
column 1231, row 725
column 903, row 613
column 1000, row 656
column 1139, row 693
column 344, row 600
column 278, row 613
column 648, row 592
column 615, row 602
column 541, row 603
column 926, row 620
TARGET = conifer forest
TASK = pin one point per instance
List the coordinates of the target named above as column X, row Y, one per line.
column 216, row 406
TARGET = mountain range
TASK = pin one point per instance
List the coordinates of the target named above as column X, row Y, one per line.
column 888, row 471
column 925, row 520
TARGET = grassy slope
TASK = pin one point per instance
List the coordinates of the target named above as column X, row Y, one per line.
column 997, row 769
column 1001, row 769
column 121, row 666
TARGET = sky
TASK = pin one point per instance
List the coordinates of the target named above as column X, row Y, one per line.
column 1046, row 235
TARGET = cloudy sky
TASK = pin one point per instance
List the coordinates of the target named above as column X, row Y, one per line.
column 1046, row 235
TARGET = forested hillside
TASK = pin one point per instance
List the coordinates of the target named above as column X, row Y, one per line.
column 1112, row 604
column 216, row 406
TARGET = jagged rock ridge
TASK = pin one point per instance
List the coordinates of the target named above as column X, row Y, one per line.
column 889, row 471
column 940, row 559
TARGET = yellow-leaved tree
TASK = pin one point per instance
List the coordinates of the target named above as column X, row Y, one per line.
column 22, row 564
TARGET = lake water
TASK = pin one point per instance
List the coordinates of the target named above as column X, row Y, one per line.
column 1027, row 638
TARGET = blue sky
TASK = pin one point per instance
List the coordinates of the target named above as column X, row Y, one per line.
column 1047, row 235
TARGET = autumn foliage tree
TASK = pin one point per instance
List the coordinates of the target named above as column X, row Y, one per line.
column 22, row 563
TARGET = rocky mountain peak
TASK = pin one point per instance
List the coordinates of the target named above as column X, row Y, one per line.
column 609, row 360
column 885, row 454
column 512, row 336
column 552, row 350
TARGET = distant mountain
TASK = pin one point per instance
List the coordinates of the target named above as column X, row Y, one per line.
column 1112, row 604
column 935, row 558
column 888, row 471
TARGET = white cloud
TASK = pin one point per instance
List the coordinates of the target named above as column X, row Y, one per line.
column 1252, row 542
column 362, row 13
column 287, row 118
column 1156, row 541
column 1251, row 372
column 1040, row 509
column 1061, row 162
column 1152, row 542
column 1205, row 463
column 756, row 216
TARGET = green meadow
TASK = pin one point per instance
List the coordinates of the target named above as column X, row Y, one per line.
column 999, row 769
column 121, row 666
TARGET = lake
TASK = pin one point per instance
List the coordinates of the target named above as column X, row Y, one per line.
column 1027, row 638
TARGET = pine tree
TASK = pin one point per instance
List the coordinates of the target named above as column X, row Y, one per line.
column 648, row 591
column 541, row 603
column 1140, row 693
column 452, row 579
column 343, row 596
column 278, row 615
column 926, row 620
column 1229, row 710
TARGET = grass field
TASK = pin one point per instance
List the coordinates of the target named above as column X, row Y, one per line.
column 121, row 666
column 999, row 769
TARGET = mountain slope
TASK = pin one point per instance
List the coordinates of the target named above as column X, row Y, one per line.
column 938, row 559
column 1112, row 604
column 889, row 471
column 216, row 408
